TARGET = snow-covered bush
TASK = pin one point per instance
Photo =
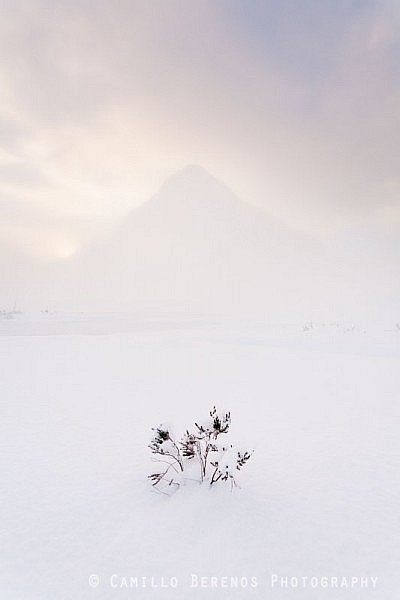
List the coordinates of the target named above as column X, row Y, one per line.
column 207, row 445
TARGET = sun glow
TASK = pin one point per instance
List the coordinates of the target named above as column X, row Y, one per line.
column 63, row 249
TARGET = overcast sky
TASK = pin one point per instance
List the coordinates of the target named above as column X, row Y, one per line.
column 295, row 105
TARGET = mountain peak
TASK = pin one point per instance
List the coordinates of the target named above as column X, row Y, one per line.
column 193, row 176
column 192, row 170
column 191, row 186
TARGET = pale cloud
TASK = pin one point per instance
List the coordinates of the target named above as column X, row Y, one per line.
column 297, row 110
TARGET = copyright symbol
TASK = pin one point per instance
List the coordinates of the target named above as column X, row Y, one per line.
column 94, row 581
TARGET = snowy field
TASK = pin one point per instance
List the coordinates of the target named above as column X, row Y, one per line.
column 318, row 403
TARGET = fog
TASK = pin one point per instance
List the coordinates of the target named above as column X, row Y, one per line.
column 195, row 247
column 293, row 107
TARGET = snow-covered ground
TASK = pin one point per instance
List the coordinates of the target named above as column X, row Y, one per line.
column 318, row 402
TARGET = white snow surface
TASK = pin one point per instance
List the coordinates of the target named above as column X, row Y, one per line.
column 317, row 402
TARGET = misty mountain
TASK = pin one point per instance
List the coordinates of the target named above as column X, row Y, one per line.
column 195, row 245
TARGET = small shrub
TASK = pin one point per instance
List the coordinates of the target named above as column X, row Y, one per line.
column 207, row 445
